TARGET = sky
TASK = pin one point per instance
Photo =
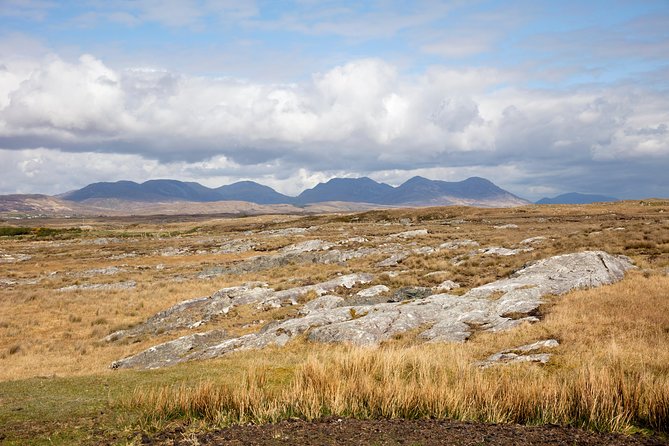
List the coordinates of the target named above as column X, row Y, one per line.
column 540, row 97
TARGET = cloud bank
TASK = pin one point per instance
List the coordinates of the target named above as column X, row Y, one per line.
column 364, row 117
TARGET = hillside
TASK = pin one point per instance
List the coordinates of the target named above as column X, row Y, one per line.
column 417, row 191
column 576, row 198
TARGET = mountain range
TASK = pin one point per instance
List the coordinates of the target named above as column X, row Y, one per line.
column 417, row 191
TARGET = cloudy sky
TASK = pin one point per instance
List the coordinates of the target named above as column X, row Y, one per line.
column 541, row 97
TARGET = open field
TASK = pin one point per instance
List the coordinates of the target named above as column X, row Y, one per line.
column 65, row 285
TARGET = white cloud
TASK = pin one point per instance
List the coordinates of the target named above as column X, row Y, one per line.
column 361, row 117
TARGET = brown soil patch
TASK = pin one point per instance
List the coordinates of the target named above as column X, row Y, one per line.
column 399, row 432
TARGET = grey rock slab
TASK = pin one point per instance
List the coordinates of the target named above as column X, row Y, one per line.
column 449, row 318
column 393, row 260
column 286, row 231
column 353, row 240
column 108, row 271
column 533, row 240
column 196, row 312
column 266, row 262
column 9, row 258
column 455, row 244
column 234, row 247
column 447, row 285
column 424, row 250
column 499, row 251
column 101, row 286
column 307, row 246
column 521, row 354
column 327, row 302
column 373, row 291
column 409, row 234
column 4, row 282
column 172, row 352
column 436, row 274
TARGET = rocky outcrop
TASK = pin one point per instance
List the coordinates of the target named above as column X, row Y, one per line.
column 196, row 312
column 499, row 305
column 172, row 352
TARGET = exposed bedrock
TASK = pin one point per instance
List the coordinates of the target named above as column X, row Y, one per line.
column 499, row 305
column 196, row 312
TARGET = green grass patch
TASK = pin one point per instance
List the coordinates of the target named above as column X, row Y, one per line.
column 81, row 410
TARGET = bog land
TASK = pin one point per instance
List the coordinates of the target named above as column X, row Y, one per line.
column 407, row 326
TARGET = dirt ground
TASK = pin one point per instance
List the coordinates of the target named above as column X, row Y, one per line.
column 399, row 432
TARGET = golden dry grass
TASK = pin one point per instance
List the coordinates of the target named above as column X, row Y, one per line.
column 610, row 372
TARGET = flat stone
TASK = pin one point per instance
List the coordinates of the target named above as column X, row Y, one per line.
column 410, row 234
column 327, row 302
column 9, row 258
column 447, row 285
column 533, row 240
column 234, row 247
column 307, row 246
column 499, row 251
column 108, row 271
column 101, row 286
column 393, row 260
column 455, row 244
column 521, row 354
column 373, row 291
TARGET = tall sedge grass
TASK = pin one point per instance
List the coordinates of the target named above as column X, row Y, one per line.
column 416, row 383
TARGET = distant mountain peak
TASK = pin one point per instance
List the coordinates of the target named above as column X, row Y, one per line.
column 417, row 191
